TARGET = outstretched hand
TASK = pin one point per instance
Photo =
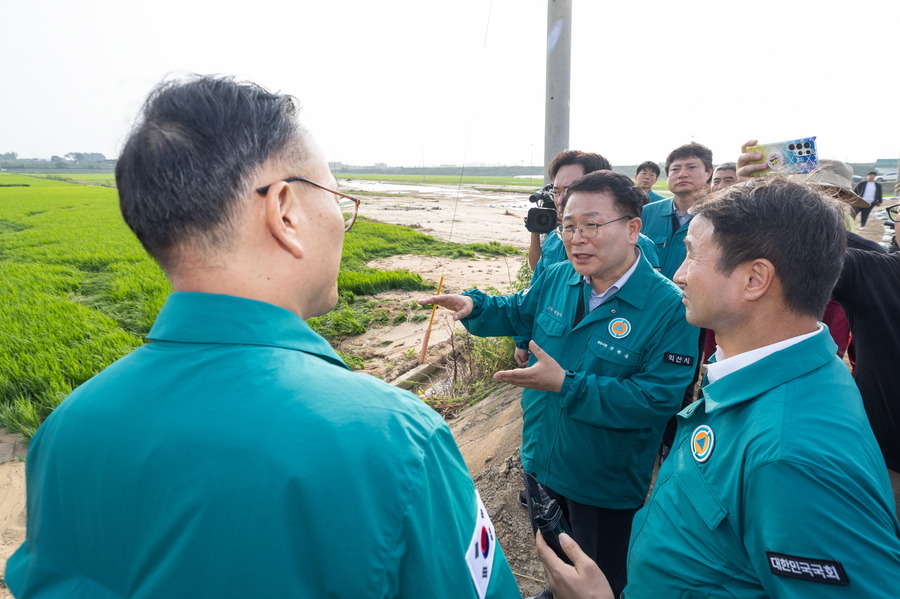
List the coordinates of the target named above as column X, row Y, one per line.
column 461, row 305
column 545, row 375
column 745, row 162
column 582, row 580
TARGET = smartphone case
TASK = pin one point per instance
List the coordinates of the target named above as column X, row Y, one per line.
column 787, row 157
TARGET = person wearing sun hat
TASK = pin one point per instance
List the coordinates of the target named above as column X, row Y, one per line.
column 833, row 178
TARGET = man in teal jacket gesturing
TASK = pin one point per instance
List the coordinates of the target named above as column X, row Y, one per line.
column 611, row 356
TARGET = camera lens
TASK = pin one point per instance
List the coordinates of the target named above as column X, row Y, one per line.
column 791, row 147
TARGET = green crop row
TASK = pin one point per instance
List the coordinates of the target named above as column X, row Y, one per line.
column 78, row 291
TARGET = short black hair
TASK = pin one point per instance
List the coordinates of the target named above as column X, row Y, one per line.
column 798, row 230
column 190, row 158
column 727, row 166
column 691, row 150
column 649, row 165
column 871, row 173
column 589, row 161
column 629, row 200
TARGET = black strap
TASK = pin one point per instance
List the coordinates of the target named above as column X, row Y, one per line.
column 579, row 312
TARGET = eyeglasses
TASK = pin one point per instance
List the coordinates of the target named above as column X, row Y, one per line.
column 557, row 191
column 348, row 205
column 587, row 230
column 893, row 212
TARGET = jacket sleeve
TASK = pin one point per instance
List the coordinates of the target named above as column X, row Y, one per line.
column 808, row 517
column 853, row 267
column 443, row 522
column 647, row 398
column 509, row 315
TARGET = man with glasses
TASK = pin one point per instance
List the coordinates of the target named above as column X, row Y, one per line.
column 235, row 454
column 612, row 356
column 565, row 168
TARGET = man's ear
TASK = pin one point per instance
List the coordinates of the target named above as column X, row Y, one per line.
column 281, row 217
column 759, row 278
column 634, row 228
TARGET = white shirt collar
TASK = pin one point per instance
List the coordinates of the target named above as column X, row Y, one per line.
column 597, row 298
column 724, row 366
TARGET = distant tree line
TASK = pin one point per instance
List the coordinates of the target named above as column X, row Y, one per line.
column 70, row 161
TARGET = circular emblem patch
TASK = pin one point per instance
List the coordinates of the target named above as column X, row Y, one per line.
column 702, row 442
column 619, row 328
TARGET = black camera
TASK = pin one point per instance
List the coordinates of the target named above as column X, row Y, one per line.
column 541, row 218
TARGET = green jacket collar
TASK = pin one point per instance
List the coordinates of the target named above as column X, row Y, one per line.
column 673, row 213
column 772, row 371
column 223, row 319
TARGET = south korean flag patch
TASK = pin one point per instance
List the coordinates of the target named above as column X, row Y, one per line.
column 480, row 555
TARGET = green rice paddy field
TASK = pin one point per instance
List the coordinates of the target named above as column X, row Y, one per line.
column 77, row 290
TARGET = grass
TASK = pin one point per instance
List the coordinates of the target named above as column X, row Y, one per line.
column 78, row 291
column 69, row 274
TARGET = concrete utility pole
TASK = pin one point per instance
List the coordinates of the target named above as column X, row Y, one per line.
column 559, row 64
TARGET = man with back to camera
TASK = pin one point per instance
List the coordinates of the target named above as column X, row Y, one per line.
column 238, row 455
column 612, row 355
column 724, row 176
column 870, row 191
column 645, row 175
column 775, row 486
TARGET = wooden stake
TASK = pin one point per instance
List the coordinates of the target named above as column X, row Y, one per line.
column 430, row 323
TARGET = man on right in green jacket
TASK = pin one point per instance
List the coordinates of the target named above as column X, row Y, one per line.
column 775, row 486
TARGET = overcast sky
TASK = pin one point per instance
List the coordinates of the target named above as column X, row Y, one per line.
column 408, row 82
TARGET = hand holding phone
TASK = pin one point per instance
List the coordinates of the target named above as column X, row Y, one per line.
column 787, row 157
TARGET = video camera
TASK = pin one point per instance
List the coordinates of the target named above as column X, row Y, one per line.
column 541, row 218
